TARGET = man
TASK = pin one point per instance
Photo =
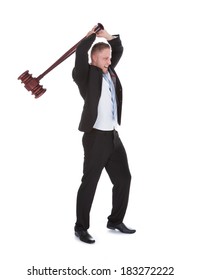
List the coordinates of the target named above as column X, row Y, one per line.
column 101, row 90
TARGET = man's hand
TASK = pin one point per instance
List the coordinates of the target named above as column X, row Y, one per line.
column 101, row 34
column 104, row 34
column 91, row 31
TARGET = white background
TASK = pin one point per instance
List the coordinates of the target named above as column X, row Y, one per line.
column 40, row 146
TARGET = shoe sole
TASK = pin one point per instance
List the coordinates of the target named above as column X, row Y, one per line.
column 113, row 228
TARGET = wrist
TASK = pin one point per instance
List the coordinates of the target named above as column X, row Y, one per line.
column 111, row 37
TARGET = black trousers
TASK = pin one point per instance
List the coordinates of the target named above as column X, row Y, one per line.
column 103, row 149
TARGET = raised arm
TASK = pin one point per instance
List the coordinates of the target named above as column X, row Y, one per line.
column 115, row 43
column 81, row 68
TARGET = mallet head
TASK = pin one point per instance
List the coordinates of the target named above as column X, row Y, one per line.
column 32, row 84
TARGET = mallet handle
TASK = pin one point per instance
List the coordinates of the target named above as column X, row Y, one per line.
column 66, row 55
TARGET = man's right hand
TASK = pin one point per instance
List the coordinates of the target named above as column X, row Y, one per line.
column 91, row 31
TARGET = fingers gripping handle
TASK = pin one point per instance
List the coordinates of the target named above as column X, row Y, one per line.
column 99, row 27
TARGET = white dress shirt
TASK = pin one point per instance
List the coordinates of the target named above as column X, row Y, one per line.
column 107, row 106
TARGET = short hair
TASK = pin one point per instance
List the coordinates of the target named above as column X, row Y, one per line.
column 99, row 47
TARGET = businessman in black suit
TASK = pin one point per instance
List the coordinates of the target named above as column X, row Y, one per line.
column 101, row 90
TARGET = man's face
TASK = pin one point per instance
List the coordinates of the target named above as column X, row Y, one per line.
column 102, row 59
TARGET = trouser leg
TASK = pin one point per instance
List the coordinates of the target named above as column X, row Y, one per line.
column 118, row 171
column 97, row 148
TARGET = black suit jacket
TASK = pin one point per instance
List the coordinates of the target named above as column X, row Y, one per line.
column 89, row 80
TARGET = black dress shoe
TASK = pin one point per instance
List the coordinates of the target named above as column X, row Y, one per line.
column 84, row 236
column 121, row 227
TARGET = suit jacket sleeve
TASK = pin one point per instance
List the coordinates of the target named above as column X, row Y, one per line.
column 81, row 69
column 117, row 50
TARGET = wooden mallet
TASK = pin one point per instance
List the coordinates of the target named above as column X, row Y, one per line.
column 32, row 84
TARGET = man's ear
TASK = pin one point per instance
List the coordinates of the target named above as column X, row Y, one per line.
column 93, row 58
